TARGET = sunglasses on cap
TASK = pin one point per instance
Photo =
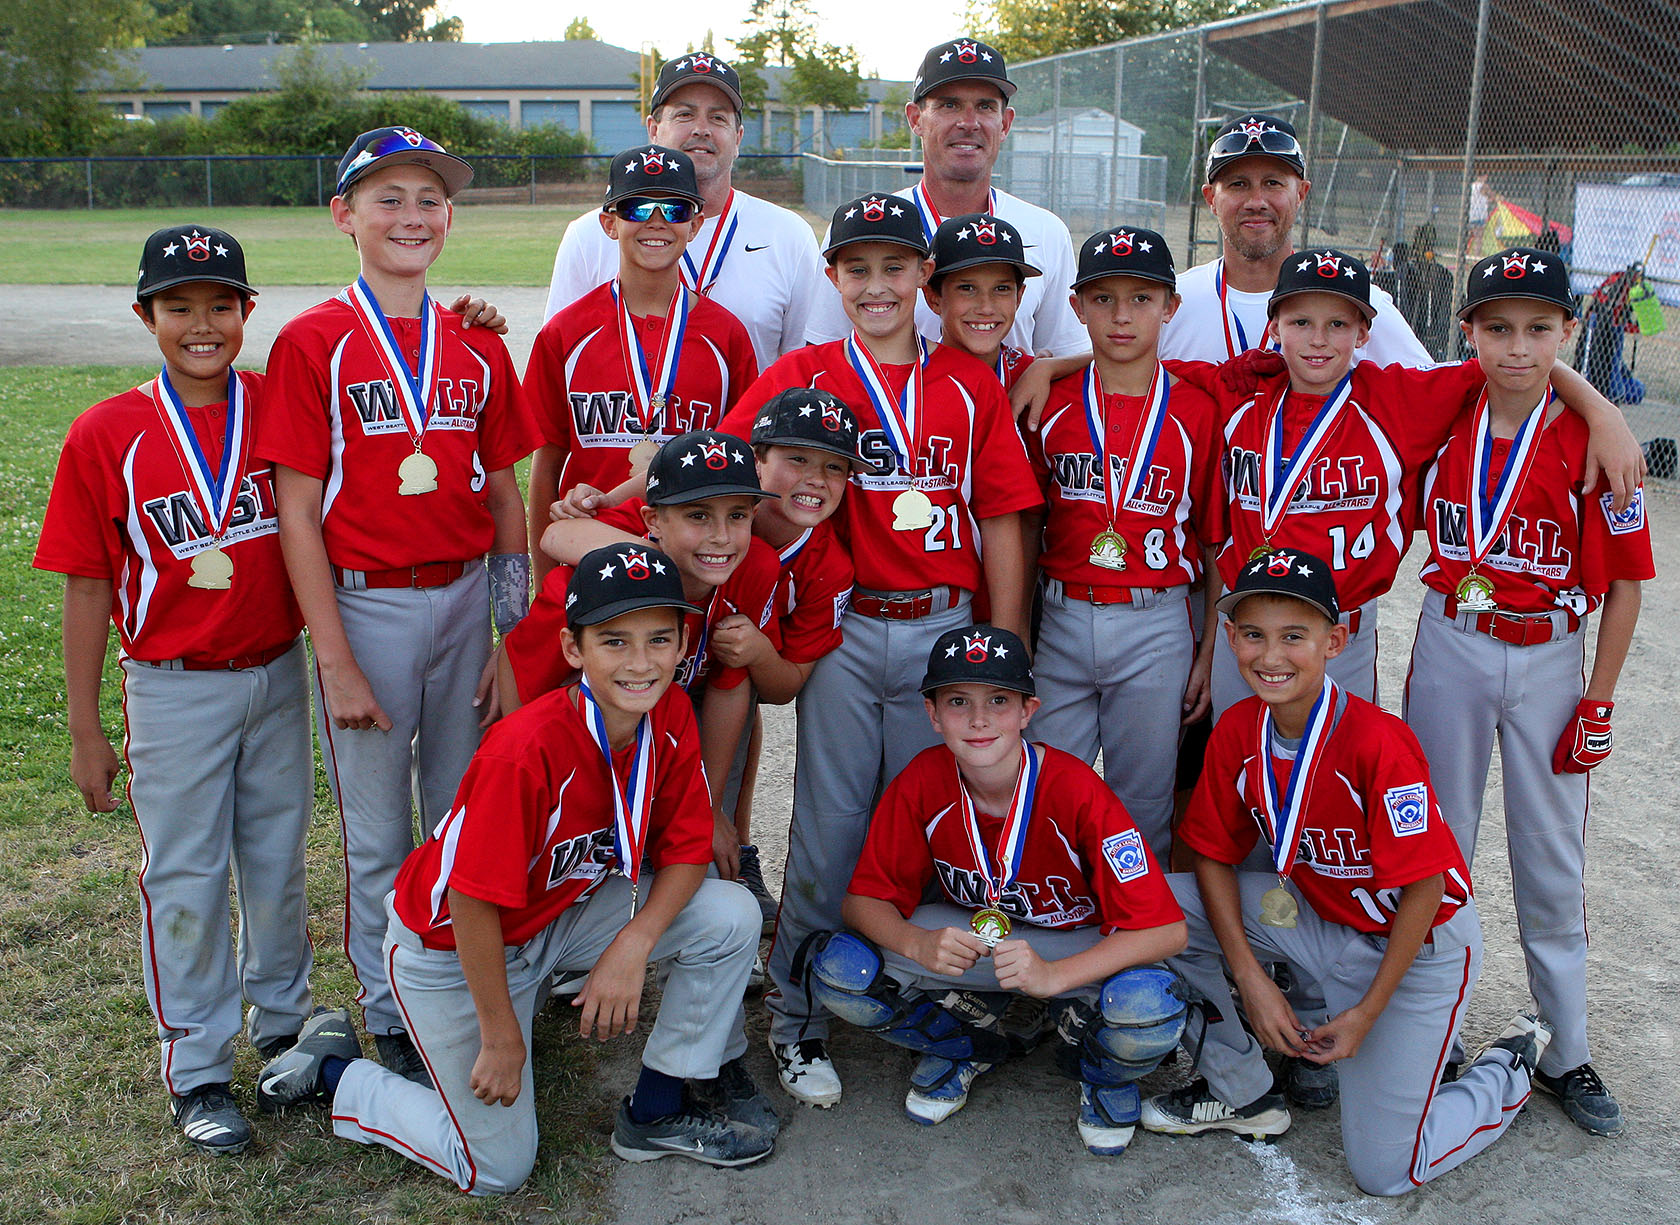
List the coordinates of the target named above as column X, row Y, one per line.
column 642, row 208
column 1271, row 140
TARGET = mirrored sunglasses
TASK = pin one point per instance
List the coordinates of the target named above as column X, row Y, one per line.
column 642, row 208
column 1272, row 140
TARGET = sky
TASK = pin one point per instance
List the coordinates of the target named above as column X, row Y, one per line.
column 889, row 49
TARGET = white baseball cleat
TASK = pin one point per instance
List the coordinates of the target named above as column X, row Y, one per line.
column 939, row 1088
column 1194, row 1109
column 806, row 1071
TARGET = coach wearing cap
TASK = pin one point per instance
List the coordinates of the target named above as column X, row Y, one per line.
column 960, row 110
column 1256, row 184
column 756, row 259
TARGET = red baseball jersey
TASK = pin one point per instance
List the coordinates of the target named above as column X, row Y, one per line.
column 122, row 509
column 533, row 647
column 337, row 417
column 1166, row 525
column 531, row 828
column 1371, row 827
column 1562, row 547
column 1354, row 509
column 579, row 387
column 1084, row 861
column 963, row 421
column 1012, row 364
column 816, row 587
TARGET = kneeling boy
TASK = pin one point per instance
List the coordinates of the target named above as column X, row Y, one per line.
column 1072, row 878
column 1341, row 791
column 535, row 872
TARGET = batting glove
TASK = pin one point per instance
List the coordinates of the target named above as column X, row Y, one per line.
column 1586, row 741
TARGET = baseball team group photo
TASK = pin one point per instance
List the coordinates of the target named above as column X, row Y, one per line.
column 984, row 677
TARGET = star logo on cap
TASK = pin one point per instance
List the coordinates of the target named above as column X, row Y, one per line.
column 361, row 159
column 716, row 454
column 967, row 52
column 985, row 233
column 976, row 647
column 1120, row 242
column 1329, row 265
column 171, row 249
column 874, row 209
column 608, row 570
column 221, row 250
column 1516, row 265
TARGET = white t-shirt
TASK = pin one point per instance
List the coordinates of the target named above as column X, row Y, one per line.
column 1197, row 333
column 1044, row 320
column 769, row 278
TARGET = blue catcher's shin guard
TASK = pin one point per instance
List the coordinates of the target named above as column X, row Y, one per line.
column 1137, row 1019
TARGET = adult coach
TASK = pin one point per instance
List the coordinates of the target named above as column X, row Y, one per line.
column 754, row 258
column 960, row 109
column 1256, row 184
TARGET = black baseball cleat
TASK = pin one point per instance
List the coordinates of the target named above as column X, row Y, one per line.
column 697, row 1134
column 1589, row 1105
column 733, row 1094
column 294, row 1077
column 396, row 1052
column 210, row 1120
column 1309, row 1085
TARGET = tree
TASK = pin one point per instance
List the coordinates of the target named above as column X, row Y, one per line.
column 780, row 31
column 52, row 51
column 828, row 78
column 784, row 33
column 261, row 21
column 579, row 30
column 1028, row 29
column 404, row 21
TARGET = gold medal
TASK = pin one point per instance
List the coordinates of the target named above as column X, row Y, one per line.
column 212, row 570
column 1475, row 594
column 1278, row 907
column 912, row 511
column 641, row 455
column 418, row 474
column 1108, row 550
column 991, row 925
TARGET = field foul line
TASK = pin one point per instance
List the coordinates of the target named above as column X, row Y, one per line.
column 1296, row 1204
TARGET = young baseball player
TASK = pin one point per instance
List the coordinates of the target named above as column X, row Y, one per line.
column 927, row 525
column 162, row 522
column 979, row 269
column 1365, row 890
column 1521, row 552
column 394, row 439
column 1059, row 900
column 1127, row 457
column 537, row 871
column 639, row 359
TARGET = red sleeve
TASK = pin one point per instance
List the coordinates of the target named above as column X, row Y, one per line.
column 820, row 591
column 79, row 532
column 533, row 646
column 1402, row 851
column 896, row 864
column 545, row 383
column 502, row 803
column 1203, row 376
column 680, row 825
column 750, row 591
column 293, row 429
column 784, row 372
column 1217, row 823
column 1207, row 484
column 1614, row 547
column 1417, row 408
column 507, row 433
column 1132, row 892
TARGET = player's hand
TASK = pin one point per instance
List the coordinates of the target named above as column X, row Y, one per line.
column 948, row 950
column 611, row 999
column 498, row 1071
column 726, row 847
column 580, row 502
column 93, row 767
column 1614, row 454
column 1269, row 1014
column 738, row 643
column 477, row 313
column 1586, row 740
column 1198, row 690
column 1020, row 968
column 1338, row 1038
column 350, row 699
column 488, row 696
column 1030, row 394
column 1244, row 372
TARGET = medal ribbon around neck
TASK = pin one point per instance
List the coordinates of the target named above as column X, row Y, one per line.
column 1283, row 814
column 1489, row 517
column 414, row 388
column 215, row 495
column 1281, row 476
column 1229, row 318
column 1012, row 840
column 701, row 278
column 898, row 420
column 699, row 655
column 794, row 548
column 648, row 386
column 929, row 215
column 632, row 797
column 1144, row 438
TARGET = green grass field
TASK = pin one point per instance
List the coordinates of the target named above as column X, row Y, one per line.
column 507, row 244
column 86, row 1137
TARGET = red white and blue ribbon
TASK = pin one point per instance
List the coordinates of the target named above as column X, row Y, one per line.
column 930, row 216
column 632, row 797
column 1012, row 839
column 1489, row 515
column 1144, row 439
column 646, row 382
column 1281, row 475
column 414, row 387
column 897, row 417
column 1230, row 319
column 794, row 548
column 214, row 492
column 705, row 637
column 1282, row 813
column 701, row 277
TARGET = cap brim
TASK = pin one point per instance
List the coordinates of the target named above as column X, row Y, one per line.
column 929, row 684
column 710, row 491
column 920, row 248
column 1006, row 87
column 1369, row 311
column 1465, row 310
column 1170, row 282
column 455, row 172
column 652, row 193
column 698, row 79
column 619, row 607
column 977, row 260
column 811, row 444
column 188, row 279
column 1231, row 599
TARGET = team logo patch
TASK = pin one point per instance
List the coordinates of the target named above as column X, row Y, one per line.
column 1254, row 129
column 1120, row 242
column 713, row 453
column 198, row 246
column 702, row 63
column 1329, row 266
column 985, row 233
column 653, row 162
column 1279, row 564
column 1516, row 266
column 1408, row 809
column 411, row 136
column 635, row 563
column 874, row 208
column 976, row 647
column 831, row 415
column 967, row 52
column 1125, row 854
column 1630, row 520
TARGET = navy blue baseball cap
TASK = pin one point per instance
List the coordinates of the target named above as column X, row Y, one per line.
column 703, row 464
column 964, row 59
column 619, row 578
column 979, row 238
column 876, row 218
column 697, row 68
column 1518, row 272
column 651, row 170
column 979, row 655
column 1255, row 135
column 1126, row 251
column 396, row 145
column 1326, row 271
column 179, row 254
column 1285, row 572
column 806, row 417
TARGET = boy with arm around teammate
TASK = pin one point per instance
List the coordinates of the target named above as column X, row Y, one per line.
column 162, row 522
column 1521, row 552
